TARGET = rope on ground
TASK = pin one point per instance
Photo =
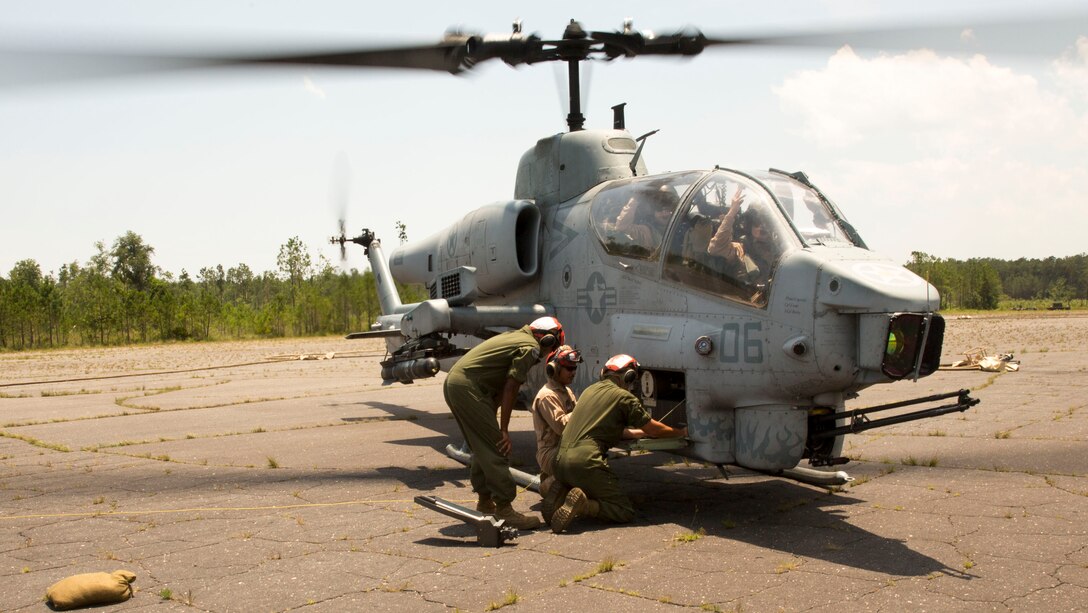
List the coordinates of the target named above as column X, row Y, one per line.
column 307, row 505
column 269, row 360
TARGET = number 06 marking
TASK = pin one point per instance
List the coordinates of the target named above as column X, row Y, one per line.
column 742, row 342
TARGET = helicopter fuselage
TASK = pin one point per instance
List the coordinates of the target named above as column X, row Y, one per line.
column 748, row 299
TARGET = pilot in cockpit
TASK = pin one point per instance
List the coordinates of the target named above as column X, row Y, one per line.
column 705, row 221
column 746, row 241
column 645, row 217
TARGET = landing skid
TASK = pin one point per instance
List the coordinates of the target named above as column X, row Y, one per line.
column 524, row 479
column 810, row 476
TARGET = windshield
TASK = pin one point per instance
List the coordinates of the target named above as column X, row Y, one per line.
column 632, row 216
column 811, row 215
column 729, row 239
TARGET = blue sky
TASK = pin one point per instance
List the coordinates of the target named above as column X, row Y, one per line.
column 956, row 152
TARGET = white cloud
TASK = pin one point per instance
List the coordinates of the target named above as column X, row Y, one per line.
column 949, row 100
column 955, row 157
column 1071, row 71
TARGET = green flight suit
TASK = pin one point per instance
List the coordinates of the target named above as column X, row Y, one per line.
column 472, row 390
column 597, row 424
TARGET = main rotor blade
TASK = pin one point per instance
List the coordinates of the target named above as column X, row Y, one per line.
column 1020, row 36
column 457, row 52
column 20, row 66
column 448, row 55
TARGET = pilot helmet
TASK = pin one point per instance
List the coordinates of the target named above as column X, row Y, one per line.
column 756, row 215
column 665, row 197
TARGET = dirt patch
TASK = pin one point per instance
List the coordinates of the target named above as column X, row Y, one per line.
column 1019, row 333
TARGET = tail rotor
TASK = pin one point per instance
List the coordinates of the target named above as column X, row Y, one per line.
column 339, row 196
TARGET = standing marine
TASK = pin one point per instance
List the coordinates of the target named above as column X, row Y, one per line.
column 490, row 375
column 587, row 485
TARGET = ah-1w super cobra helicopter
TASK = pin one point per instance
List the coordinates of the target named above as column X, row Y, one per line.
column 756, row 355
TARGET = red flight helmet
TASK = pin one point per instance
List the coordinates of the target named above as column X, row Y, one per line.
column 622, row 365
column 565, row 356
column 548, row 332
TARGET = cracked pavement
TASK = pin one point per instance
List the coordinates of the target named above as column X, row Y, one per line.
column 289, row 485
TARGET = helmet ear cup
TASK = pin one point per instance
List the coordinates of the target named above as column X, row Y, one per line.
column 550, row 370
column 630, row 376
column 548, row 341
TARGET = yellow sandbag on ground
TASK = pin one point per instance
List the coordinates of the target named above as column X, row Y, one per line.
column 91, row 589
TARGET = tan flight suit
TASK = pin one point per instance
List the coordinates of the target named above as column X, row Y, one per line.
column 472, row 389
column 551, row 412
column 604, row 410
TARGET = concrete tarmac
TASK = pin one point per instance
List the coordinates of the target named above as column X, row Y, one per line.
column 278, row 486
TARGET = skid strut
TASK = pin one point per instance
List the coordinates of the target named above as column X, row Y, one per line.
column 490, row 532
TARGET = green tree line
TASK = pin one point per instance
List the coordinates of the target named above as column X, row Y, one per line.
column 989, row 283
column 119, row 296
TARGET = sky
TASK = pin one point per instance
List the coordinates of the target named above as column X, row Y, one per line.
column 977, row 148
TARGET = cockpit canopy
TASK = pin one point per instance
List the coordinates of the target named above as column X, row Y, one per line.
column 721, row 231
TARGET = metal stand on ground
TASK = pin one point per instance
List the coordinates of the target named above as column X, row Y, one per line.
column 490, row 532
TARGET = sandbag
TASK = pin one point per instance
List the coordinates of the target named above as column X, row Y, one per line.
column 91, row 589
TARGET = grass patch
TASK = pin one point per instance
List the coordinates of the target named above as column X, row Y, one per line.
column 913, row 461
column 606, row 565
column 786, row 567
column 272, row 463
column 988, row 382
column 510, row 598
column 687, row 537
column 166, row 594
column 1002, row 434
column 36, row 442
